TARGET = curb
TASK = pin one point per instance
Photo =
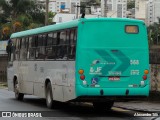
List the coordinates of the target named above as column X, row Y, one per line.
column 2, row 87
column 134, row 109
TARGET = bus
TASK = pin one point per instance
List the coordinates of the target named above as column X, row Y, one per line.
column 97, row 60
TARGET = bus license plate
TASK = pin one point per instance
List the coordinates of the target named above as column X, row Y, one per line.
column 114, row 78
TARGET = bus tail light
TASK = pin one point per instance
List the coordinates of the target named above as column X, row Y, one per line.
column 82, row 77
column 81, row 71
column 146, row 72
column 144, row 77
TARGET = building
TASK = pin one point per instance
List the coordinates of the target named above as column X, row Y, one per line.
column 65, row 6
column 131, row 13
column 113, row 8
column 61, row 17
column 147, row 10
column 52, row 6
column 65, row 10
column 96, row 10
column 61, row 6
column 152, row 11
column 140, row 10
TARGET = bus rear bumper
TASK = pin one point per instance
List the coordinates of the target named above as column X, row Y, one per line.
column 113, row 92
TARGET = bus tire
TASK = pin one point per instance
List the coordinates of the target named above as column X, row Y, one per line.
column 103, row 105
column 18, row 95
column 49, row 96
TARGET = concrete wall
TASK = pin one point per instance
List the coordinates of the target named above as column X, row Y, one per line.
column 155, row 77
column 3, row 68
column 3, row 60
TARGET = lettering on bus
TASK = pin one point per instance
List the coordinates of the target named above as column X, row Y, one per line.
column 102, row 62
column 114, row 73
column 35, row 67
column 96, row 70
column 64, row 73
column 42, row 69
column 134, row 62
column 134, row 72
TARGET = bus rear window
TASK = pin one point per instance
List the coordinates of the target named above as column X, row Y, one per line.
column 133, row 29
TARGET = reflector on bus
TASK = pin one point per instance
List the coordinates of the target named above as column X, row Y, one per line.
column 131, row 29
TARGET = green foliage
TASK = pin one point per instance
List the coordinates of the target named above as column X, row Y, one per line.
column 38, row 17
column 24, row 19
column 34, row 25
column 26, row 13
column 50, row 17
column 131, row 4
column 154, row 33
column 13, row 8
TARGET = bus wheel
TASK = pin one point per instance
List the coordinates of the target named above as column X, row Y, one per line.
column 49, row 96
column 18, row 95
column 103, row 105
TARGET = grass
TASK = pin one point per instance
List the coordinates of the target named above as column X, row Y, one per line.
column 3, row 84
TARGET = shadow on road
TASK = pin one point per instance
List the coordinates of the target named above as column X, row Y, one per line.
column 76, row 110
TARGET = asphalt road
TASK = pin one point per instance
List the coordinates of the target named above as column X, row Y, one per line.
column 70, row 111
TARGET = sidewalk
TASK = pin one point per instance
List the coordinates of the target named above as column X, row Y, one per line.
column 145, row 106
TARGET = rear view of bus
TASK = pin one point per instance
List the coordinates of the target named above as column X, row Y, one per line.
column 112, row 60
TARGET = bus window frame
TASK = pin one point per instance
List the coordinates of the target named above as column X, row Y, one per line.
column 23, row 49
column 55, row 36
column 131, row 32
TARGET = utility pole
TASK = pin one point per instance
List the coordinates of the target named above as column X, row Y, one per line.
column 105, row 8
column 46, row 15
column 78, row 9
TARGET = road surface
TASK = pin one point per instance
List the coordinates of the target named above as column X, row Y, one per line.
column 70, row 111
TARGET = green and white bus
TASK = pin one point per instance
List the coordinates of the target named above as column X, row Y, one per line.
column 93, row 60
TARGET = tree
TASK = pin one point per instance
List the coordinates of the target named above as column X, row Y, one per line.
column 13, row 8
column 131, row 4
column 19, row 14
column 50, row 17
column 154, row 32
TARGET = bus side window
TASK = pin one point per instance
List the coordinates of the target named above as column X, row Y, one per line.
column 27, row 47
column 14, row 48
column 68, row 42
column 23, row 52
column 54, row 47
column 62, row 51
column 41, row 47
column 58, row 46
column 49, row 46
column 18, row 47
column 74, row 43
column 73, row 38
column 31, row 50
